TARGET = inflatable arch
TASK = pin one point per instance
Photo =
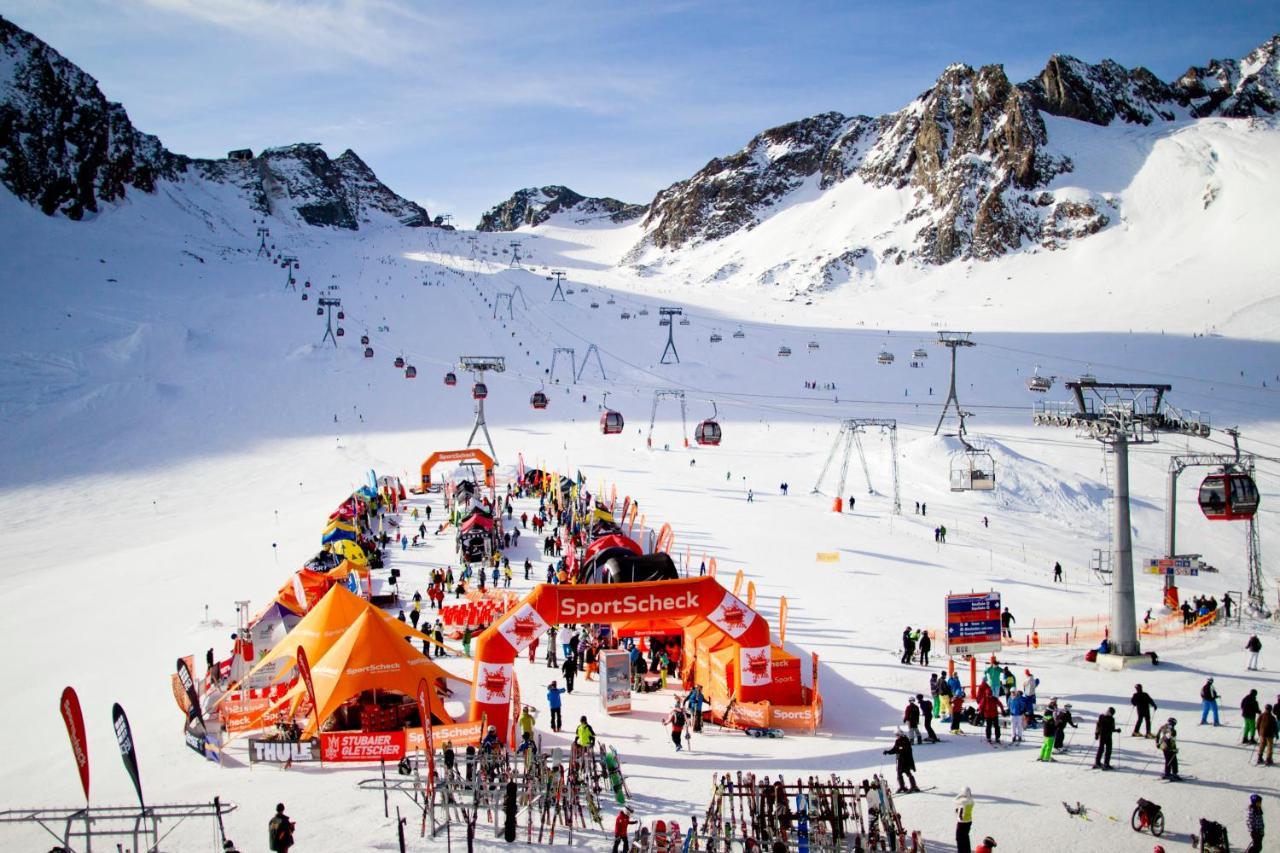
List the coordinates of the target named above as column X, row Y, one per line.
column 471, row 454
column 693, row 599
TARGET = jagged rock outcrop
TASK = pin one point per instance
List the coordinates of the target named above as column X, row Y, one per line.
column 68, row 150
column 535, row 205
column 1100, row 93
column 1240, row 89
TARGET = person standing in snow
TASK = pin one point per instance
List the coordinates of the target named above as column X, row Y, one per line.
column 676, row 720
column 926, row 717
column 964, row 820
column 1254, row 823
column 1017, row 708
column 621, row 827
column 925, row 645
column 1249, row 710
column 992, row 675
column 280, row 831
column 908, row 645
column 1208, row 702
column 911, row 716
column 1050, row 732
column 1006, row 619
column 570, row 670
column 1102, row 733
column 1267, row 728
column 957, row 712
column 1144, row 705
column 991, row 709
column 1029, row 685
column 1167, row 743
column 1061, row 720
column 1057, row 572
column 554, row 703
column 1253, row 647
column 906, row 762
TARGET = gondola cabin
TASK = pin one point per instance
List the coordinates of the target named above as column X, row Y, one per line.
column 885, row 357
column 342, row 315
column 304, row 297
column 364, row 340
column 368, row 352
column 319, row 311
column 399, row 361
column 708, row 433
column 479, row 391
column 1229, row 496
column 538, row 400
column 450, row 379
column 611, row 422
column 411, row 372
column 341, row 331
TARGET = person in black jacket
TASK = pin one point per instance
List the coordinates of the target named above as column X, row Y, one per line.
column 1144, row 705
column 280, row 831
column 570, row 670
column 1249, row 710
column 1102, row 733
column 925, row 645
column 908, row 645
column 906, row 762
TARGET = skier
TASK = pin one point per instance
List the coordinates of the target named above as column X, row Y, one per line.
column 1062, row 719
column 908, row 645
column 585, row 737
column 1249, row 710
column 1102, row 733
column 1050, row 731
column 1057, row 572
column 957, row 712
column 1208, row 702
column 1253, row 647
column 1253, row 822
column 695, row 701
column 991, row 709
column 751, row 496
column 280, row 831
column 926, row 716
column 1017, row 708
column 1006, row 619
column 1167, row 743
column 621, row 825
column 906, row 762
column 675, row 719
column 554, row 705
column 964, row 820
column 911, row 716
column 1267, row 728
column 1144, row 704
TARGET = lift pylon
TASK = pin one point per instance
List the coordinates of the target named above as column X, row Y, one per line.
column 477, row 365
column 952, row 341
column 850, row 436
column 663, row 394
column 557, row 295
column 666, row 316
column 573, row 363
column 329, row 303
column 592, row 349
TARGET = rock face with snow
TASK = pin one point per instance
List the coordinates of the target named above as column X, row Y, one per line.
column 971, row 151
column 68, row 150
column 536, row 205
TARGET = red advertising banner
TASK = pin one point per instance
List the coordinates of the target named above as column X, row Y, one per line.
column 424, row 708
column 362, row 746
column 69, row 705
column 304, row 669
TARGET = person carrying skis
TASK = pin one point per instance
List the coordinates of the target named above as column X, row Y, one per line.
column 280, row 831
column 1253, row 647
column 1253, row 822
column 1102, row 733
column 911, row 716
column 621, row 827
column 926, row 717
column 1050, row 732
column 1208, row 702
column 695, row 702
column 554, row 703
column 1249, row 710
column 906, row 762
column 1144, row 705
column 676, row 720
column 964, row 820
column 1167, row 743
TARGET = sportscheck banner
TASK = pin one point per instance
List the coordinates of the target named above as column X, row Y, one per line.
column 69, row 706
column 304, row 669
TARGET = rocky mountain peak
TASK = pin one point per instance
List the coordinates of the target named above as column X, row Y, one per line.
column 535, row 205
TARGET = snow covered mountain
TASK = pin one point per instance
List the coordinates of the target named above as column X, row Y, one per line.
column 535, row 205
column 68, row 150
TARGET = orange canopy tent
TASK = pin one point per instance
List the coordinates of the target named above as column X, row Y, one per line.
column 301, row 591
column 327, row 621
column 370, row 655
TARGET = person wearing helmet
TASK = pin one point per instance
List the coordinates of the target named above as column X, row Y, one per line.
column 1253, row 822
column 621, row 825
column 1167, row 743
column 988, row 845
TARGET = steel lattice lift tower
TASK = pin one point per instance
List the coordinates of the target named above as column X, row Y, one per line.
column 573, row 363
column 329, row 303
column 290, row 263
column 559, row 277
column 477, row 365
column 515, row 255
column 666, row 316
column 850, row 436
column 1119, row 414
column 952, row 341
column 263, row 234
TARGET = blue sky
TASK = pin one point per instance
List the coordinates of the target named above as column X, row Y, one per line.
column 458, row 104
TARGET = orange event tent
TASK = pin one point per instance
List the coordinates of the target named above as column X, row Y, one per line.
column 370, row 655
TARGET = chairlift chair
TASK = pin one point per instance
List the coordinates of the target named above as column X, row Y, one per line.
column 1228, row 496
column 885, row 357
column 612, row 301
column 814, row 346
column 410, row 372
column 626, row 315
column 684, row 321
column 783, row 352
column 595, row 304
column 739, row 333
column 1039, row 384
column 715, row 338
column 644, row 312
column 920, row 354
column 974, row 472
column 450, row 379
column 665, row 321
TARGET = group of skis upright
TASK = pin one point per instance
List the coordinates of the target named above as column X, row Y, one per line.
column 819, row 815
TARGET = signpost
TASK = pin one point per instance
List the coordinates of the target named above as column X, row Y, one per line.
column 973, row 623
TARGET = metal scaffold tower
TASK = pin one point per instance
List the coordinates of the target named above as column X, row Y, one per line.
column 329, row 303
column 477, row 365
column 850, row 436
column 952, row 341
column 665, row 317
column 558, row 276
column 1119, row 414
column 658, row 396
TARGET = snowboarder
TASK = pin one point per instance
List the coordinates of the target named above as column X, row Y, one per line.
column 906, row 762
column 1249, row 710
column 1253, row 823
column 1057, row 572
column 1253, row 647
column 554, row 703
column 280, row 831
column 1102, row 733
column 1167, row 743
column 1208, row 702
column 964, row 820
column 1006, row 619
column 1144, row 705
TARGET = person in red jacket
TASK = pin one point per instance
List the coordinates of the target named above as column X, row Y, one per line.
column 621, row 825
column 988, row 845
column 991, row 709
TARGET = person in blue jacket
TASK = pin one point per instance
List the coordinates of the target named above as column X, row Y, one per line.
column 694, row 703
column 553, row 703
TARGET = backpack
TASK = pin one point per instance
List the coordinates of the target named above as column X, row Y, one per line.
column 1206, row 692
column 280, row 833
